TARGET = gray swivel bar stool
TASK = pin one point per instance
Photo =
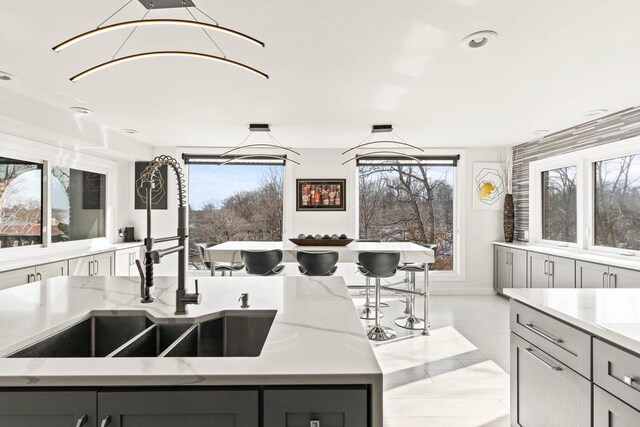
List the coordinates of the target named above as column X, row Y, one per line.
column 224, row 268
column 411, row 321
column 263, row 263
column 379, row 265
column 317, row 263
column 368, row 313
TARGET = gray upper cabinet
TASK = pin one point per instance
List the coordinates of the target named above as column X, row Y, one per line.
column 329, row 408
column 47, row 408
column 590, row 275
column 545, row 392
column 510, row 268
column 188, row 408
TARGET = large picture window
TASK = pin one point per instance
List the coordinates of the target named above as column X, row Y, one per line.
column 234, row 202
column 559, row 204
column 20, row 203
column 408, row 202
column 617, row 202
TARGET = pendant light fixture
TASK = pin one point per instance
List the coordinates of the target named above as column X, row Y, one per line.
column 273, row 143
column 161, row 4
column 389, row 137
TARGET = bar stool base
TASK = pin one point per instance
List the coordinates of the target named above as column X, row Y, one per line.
column 373, row 304
column 409, row 322
column 368, row 313
column 381, row 333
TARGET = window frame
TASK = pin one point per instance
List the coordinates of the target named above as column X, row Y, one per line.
column 584, row 160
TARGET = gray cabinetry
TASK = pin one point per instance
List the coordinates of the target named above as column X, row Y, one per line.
column 510, row 268
column 125, row 262
column 47, row 408
column 545, row 392
column 547, row 271
column 94, row 265
column 538, row 270
column 12, row 278
column 330, row 408
column 590, row 275
column 609, row 411
column 192, row 408
column 49, row 271
column 623, row 278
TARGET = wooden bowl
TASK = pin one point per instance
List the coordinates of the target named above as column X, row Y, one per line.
column 321, row 242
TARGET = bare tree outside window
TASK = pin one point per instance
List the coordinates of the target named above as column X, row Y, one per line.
column 234, row 202
column 409, row 203
column 617, row 203
column 559, row 204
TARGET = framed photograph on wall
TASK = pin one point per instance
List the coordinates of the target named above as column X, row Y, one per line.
column 321, row 195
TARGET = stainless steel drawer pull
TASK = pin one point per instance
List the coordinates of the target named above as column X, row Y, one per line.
column 628, row 380
column 314, row 423
column 106, row 421
column 82, row 420
column 554, row 367
column 537, row 331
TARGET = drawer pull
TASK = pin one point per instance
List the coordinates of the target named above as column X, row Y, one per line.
column 314, row 423
column 628, row 380
column 554, row 367
column 537, row 331
column 82, row 420
column 106, row 421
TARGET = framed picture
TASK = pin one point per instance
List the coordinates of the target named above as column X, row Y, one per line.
column 321, row 195
column 489, row 188
column 158, row 195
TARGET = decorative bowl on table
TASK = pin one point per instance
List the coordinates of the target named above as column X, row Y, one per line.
column 318, row 240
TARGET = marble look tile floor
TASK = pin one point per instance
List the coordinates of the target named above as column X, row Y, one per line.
column 458, row 376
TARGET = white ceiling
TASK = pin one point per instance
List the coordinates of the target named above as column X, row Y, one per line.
column 336, row 68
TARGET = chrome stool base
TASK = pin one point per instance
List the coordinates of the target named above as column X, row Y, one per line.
column 373, row 304
column 381, row 333
column 409, row 322
column 368, row 313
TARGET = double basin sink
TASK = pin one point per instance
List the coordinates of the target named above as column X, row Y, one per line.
column 136, row 335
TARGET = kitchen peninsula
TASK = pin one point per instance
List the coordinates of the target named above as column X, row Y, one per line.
column 316, row 361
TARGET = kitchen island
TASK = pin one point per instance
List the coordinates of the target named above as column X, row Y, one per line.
column 575, row 357
column 316, row 362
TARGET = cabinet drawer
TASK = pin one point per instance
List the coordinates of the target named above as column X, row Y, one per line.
column 617, row 371
column 331, row 408
column 611, row 412
column 561, row 341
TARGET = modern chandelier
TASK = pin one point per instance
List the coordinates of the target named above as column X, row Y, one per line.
column 389, row 137
column 161, row 4
column 273, row 143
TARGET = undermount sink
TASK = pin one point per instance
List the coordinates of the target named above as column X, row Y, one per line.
column 232, row 335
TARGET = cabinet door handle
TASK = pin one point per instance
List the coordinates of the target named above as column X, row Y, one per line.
column 552, row 268
column 97, row 264
column 106, row 421
column 537, row 331
column 615, row 280
column 90, row 268
column 604, row 277
column 546, row 267
column 554, row 367
column 314, row 423
column 39, row 276
column 82, row 420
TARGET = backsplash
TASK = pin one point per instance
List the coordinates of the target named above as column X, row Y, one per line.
column 614, row 127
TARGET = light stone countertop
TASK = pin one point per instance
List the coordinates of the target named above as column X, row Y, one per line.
column 612, row 259
column 316, row 337
column 611, row 314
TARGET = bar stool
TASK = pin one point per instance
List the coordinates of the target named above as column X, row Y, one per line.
column 263, row 263
column 367, row 313
column 379, row 265
column 226, row 267
column 411, row 321
column 317, row 263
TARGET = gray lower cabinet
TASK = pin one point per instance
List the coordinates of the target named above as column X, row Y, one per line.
column 538, row 270
column 590, row 275
column 49, row 271
column 192, row 408
column 608, row 411
column 9, row 279
column 547, row 271
column 329, row 408
column 510, row 268
column 48, row 408
column 623, row 278
column 93, row 265
column 545, row 392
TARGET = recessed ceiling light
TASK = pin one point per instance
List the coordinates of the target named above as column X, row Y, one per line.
column 81, row 110
column 4, row 76
column 596, row 113
column 479, row 39
column 130, row 131
column 540, row 132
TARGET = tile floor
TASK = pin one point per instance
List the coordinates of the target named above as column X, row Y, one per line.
column 458, row 376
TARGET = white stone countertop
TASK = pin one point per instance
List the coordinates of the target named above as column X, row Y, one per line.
column 612, row 259
column 45, row 257
column 316, row 337
column 611, row 314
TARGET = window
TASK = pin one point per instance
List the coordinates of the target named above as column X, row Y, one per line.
column 20, row 203
column 77, row 204
column 234, row 202
column 409, row 202
column 559, row 204
column 617, row 202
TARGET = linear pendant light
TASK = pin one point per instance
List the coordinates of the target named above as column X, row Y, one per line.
column 109, row 64
column 259, row 146
column 153, row 22
column 261, row 155
column 378, row 153
column 392, row 139
column 274, row 144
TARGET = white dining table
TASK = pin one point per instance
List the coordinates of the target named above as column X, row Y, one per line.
column 231, row 251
